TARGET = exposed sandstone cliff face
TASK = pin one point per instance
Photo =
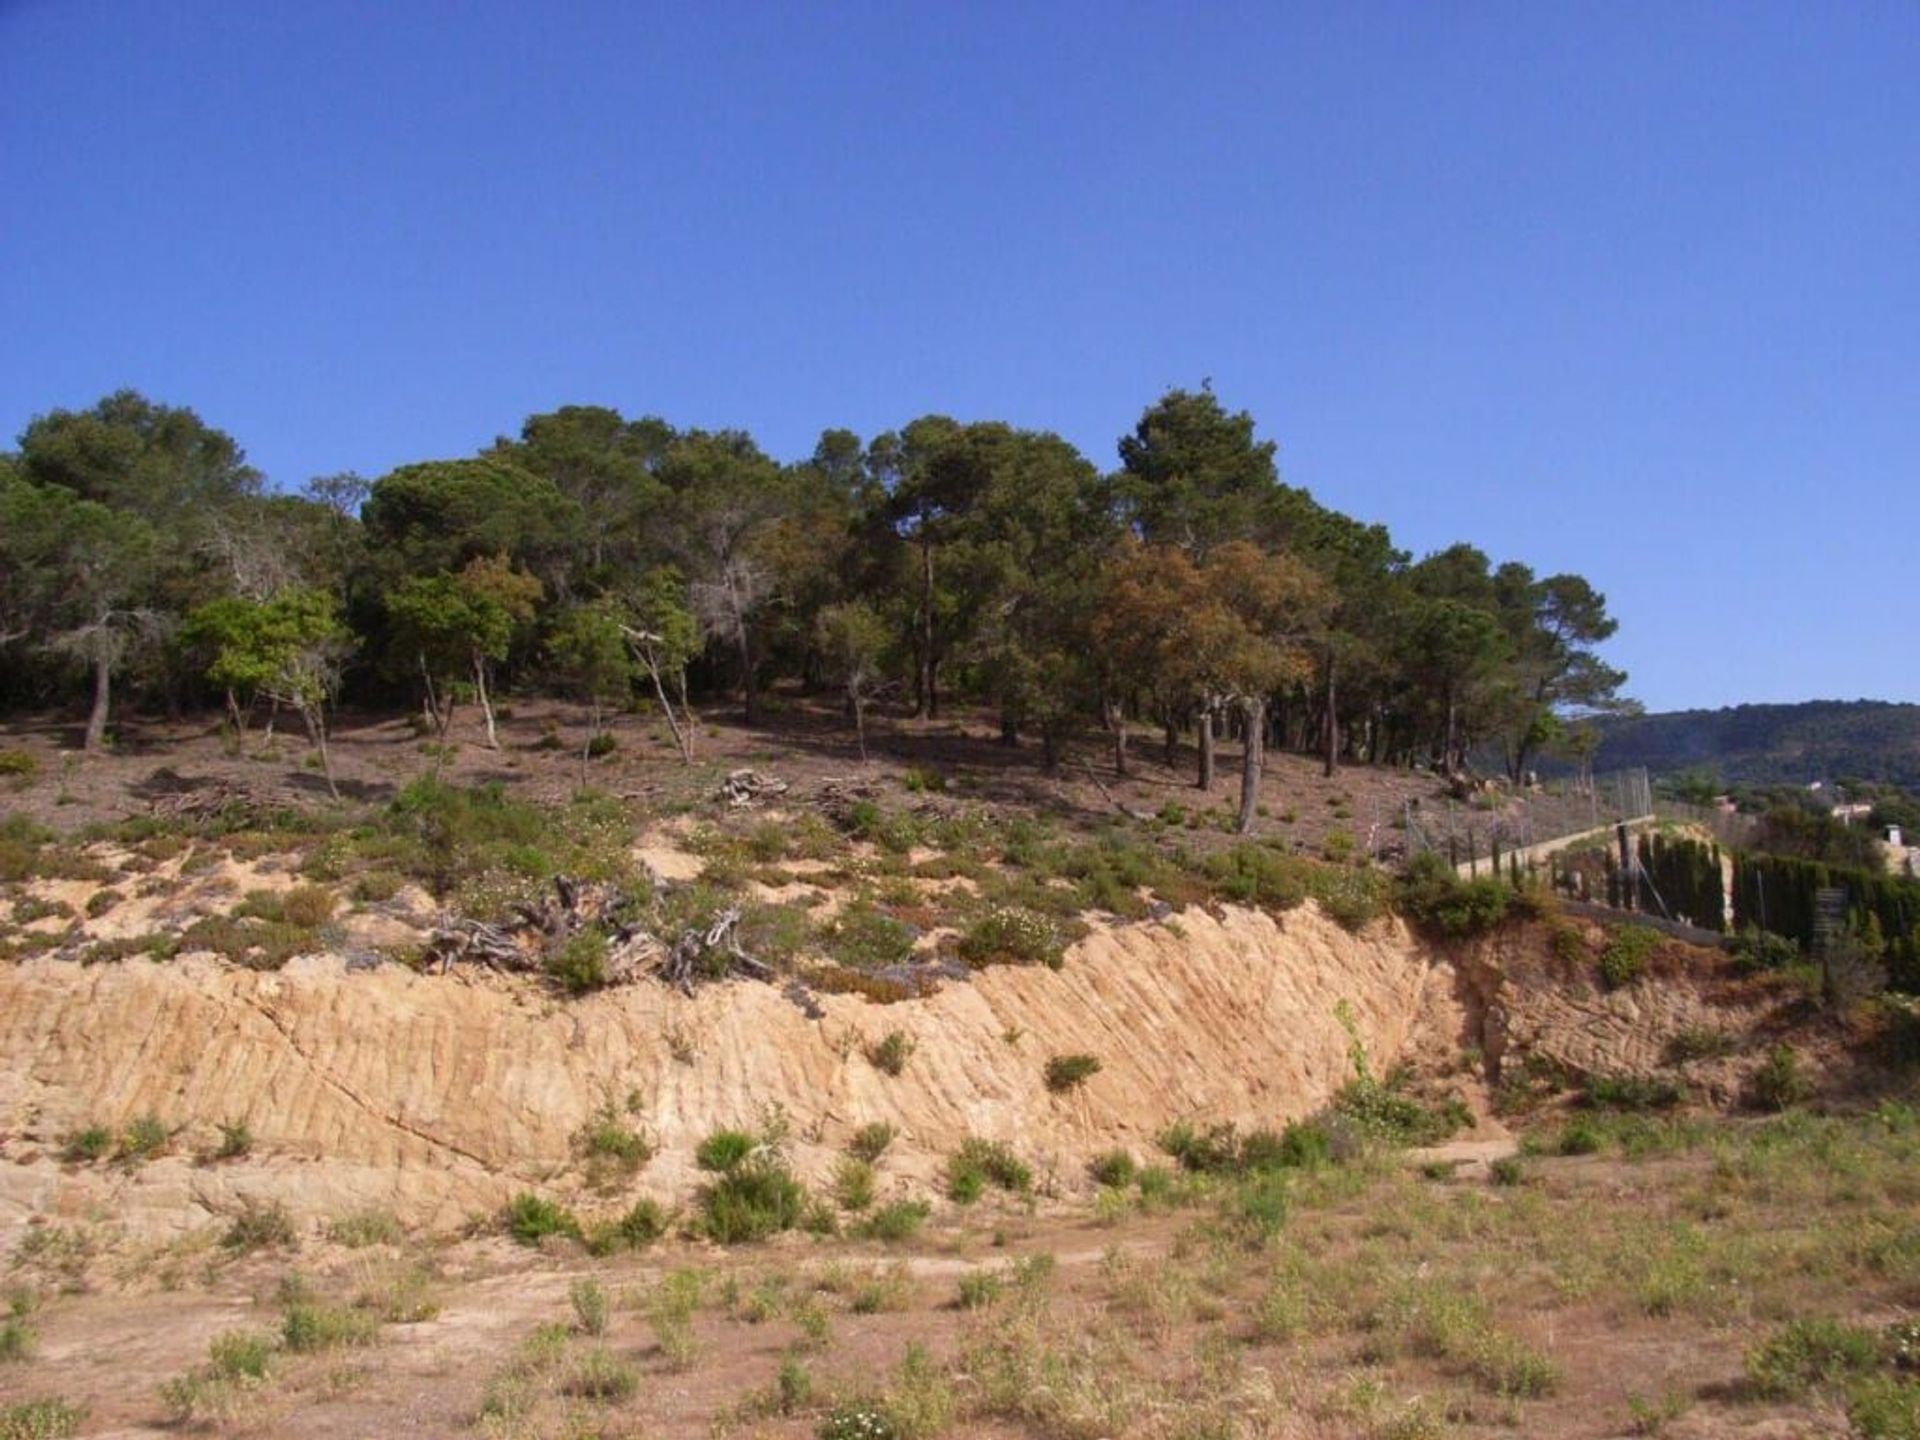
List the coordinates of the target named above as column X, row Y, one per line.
column 438, row 1097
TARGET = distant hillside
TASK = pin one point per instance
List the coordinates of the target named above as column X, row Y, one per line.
column 1769, row 744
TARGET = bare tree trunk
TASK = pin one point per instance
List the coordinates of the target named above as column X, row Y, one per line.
column 1251, row 757
column 1119, row 744
column 102, row 699
column 1333, row 722
column 926, row 703
column 1205, row 781
column 859, row 723
column 1049, row 750
column 486, row 704
column 747, row 676
column 683, row 741
column 1170, row 742
column 316, row 724
column 1009, row 731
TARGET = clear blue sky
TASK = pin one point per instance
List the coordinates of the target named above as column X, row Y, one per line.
column 1626, row 289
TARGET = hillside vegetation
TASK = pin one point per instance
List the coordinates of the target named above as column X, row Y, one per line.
column 1871, row 740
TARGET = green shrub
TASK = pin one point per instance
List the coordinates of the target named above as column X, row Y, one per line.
column 897, row 1220
column 19, row 764
column 890, row 1054
column 580, row 963
column 1114, row 1168
column 642, row 1224
column 93, row 1142
column 601, row 745
column 859, row 1420
column 1780, row 1084
column 1624, row 960
column 1213, row 1151
column 531, row 1218
column 1069, row 1072
column 1700, row 1042
column 606, row 1140
column 1434, row 897
column 724, row 1150
column 853, row 1183
column 1387, row 1113
column 1880, row 1407
column 1581, row 1137
column 1806, row 1355
column 980, row 1288
column 1257, row 875
column 752, row 1200
column 18, row 1339
column 979, row 1163
column 1507, row 1170
column 1012, row 935
column 145, row 1138
column 241, row 1354
column 864, row 938
column 1632, row 1092
column 599, row 1374
column 870, row 1141
column 1259, row 1206
column 1756, row 949
column 308, row 905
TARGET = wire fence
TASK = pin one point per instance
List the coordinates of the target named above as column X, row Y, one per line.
column 1496, row 823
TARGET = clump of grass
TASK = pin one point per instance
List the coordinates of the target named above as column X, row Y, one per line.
column 1114, row 1168
column 260, row 1225
column 1700, row 1042
column 309, row 1326
column 236, row 1140
column 879, row 1291
column 589, row 1302
column 1631, row 1092
column 364, row 1228
column 19, row 764
column 890, row 1053
column 895, row 1221
column 870, row 1141
column 599, row 1374
column 531, row 1219
column 723, row 1150
column 46, row 1419
column 670, row 1311
column 612, row 1148
column 979, row 1163
column 980, row 1288
column 1069, row 1072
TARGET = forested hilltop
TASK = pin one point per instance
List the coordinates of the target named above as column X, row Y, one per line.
column 147, row 564
column 1774, row 744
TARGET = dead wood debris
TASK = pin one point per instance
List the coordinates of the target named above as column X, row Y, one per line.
column 744, row 788
column 523, row 942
